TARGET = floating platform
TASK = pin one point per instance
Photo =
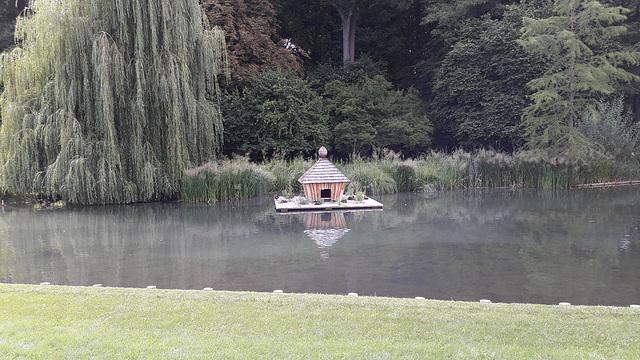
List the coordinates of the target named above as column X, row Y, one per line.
column 608, row 184
column 300, row 204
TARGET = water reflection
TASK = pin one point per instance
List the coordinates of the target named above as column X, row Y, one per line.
column 325, row 229
column 581, row 246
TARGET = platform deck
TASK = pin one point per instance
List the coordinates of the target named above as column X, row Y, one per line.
column 294, row 204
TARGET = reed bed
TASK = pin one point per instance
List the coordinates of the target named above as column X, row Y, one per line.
column 368, row 177
column 388, row 172
column 287, row 173
column 227, row 179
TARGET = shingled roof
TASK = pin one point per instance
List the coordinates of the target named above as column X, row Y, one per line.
column 323, row 171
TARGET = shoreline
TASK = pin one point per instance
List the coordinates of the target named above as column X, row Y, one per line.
column 54, row 322
column 278, row 291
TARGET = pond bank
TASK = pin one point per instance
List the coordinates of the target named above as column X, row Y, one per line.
column 389, row 173
column 38, row 322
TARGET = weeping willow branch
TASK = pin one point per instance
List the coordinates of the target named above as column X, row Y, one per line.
column 109, row 101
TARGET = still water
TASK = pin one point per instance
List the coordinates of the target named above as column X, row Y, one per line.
column 580, row 246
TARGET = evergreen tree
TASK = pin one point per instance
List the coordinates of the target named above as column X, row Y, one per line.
column 108, row 101
column 580, row 69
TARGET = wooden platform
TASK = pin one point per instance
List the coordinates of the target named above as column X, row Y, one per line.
column 297, row 204
column 608, row 184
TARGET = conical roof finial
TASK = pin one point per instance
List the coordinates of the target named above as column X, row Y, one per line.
column 322, row 152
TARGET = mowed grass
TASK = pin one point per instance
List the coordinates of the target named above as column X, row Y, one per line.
column 54, row 322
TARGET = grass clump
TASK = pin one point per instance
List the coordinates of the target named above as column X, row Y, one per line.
column 369, row 177
column 287, row 173
column 227, row 179
column 38, row 322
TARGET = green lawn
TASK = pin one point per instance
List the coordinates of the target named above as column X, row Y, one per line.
column 56, row 322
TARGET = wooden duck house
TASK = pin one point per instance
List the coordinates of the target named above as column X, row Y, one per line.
column 323, row 180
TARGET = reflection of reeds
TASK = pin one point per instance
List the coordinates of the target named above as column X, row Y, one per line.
column 388, row 173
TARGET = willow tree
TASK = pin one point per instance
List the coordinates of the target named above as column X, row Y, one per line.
column 108, row 101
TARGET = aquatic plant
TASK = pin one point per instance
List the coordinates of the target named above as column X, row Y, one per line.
column 287, row 173
column 390, row 173
column 226, row 179
column 368, row 177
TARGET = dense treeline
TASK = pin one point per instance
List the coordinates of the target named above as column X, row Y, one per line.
column 557, row 79
column 508, row 75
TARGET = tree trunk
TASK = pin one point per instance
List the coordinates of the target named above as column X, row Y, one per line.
column 349, row 17
column 636, row 107
column 572, row 73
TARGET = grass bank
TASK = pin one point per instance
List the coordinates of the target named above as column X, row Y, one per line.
column 388, row 173
column 52, row 322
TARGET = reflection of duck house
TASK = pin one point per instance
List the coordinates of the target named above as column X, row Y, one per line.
column 323, row 180
column 325, row 229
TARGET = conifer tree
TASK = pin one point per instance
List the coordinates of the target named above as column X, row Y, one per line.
column 108, row 101
column 581, row 67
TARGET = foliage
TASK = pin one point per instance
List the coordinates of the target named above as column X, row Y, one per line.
column 612, row 127
column 480, row 86
column 279, row 116
column 222, row 180
column 448, row 15
column 391, row 33
column 374, row 116
column 368, row 178
column 9, row 10
column 580, row 67
column 355, row 73
column 309, row 26
column 109, row 101
column 387, row 172
column 253, row 45
column 287, row 173
column 461, row 56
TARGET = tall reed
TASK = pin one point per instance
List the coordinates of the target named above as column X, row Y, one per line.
column 236, row 179
column 368, row 177
column 388, row 173
column 287, row 173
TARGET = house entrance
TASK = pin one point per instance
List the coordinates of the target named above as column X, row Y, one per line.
column 326, row 193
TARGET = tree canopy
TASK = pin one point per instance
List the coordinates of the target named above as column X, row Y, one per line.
column 280, row 115
column 108, row 101
column 253, row 45
column 372, row 116
column 576, row 41
column 113, row 99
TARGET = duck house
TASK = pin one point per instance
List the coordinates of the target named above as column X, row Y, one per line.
column 323, row 180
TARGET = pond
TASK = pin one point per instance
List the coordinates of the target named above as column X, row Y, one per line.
column 530, row 246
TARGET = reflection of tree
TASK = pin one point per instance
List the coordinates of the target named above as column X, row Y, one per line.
column 120, row 245
column 537, row 244
column 503, row 245
column 7, row 251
